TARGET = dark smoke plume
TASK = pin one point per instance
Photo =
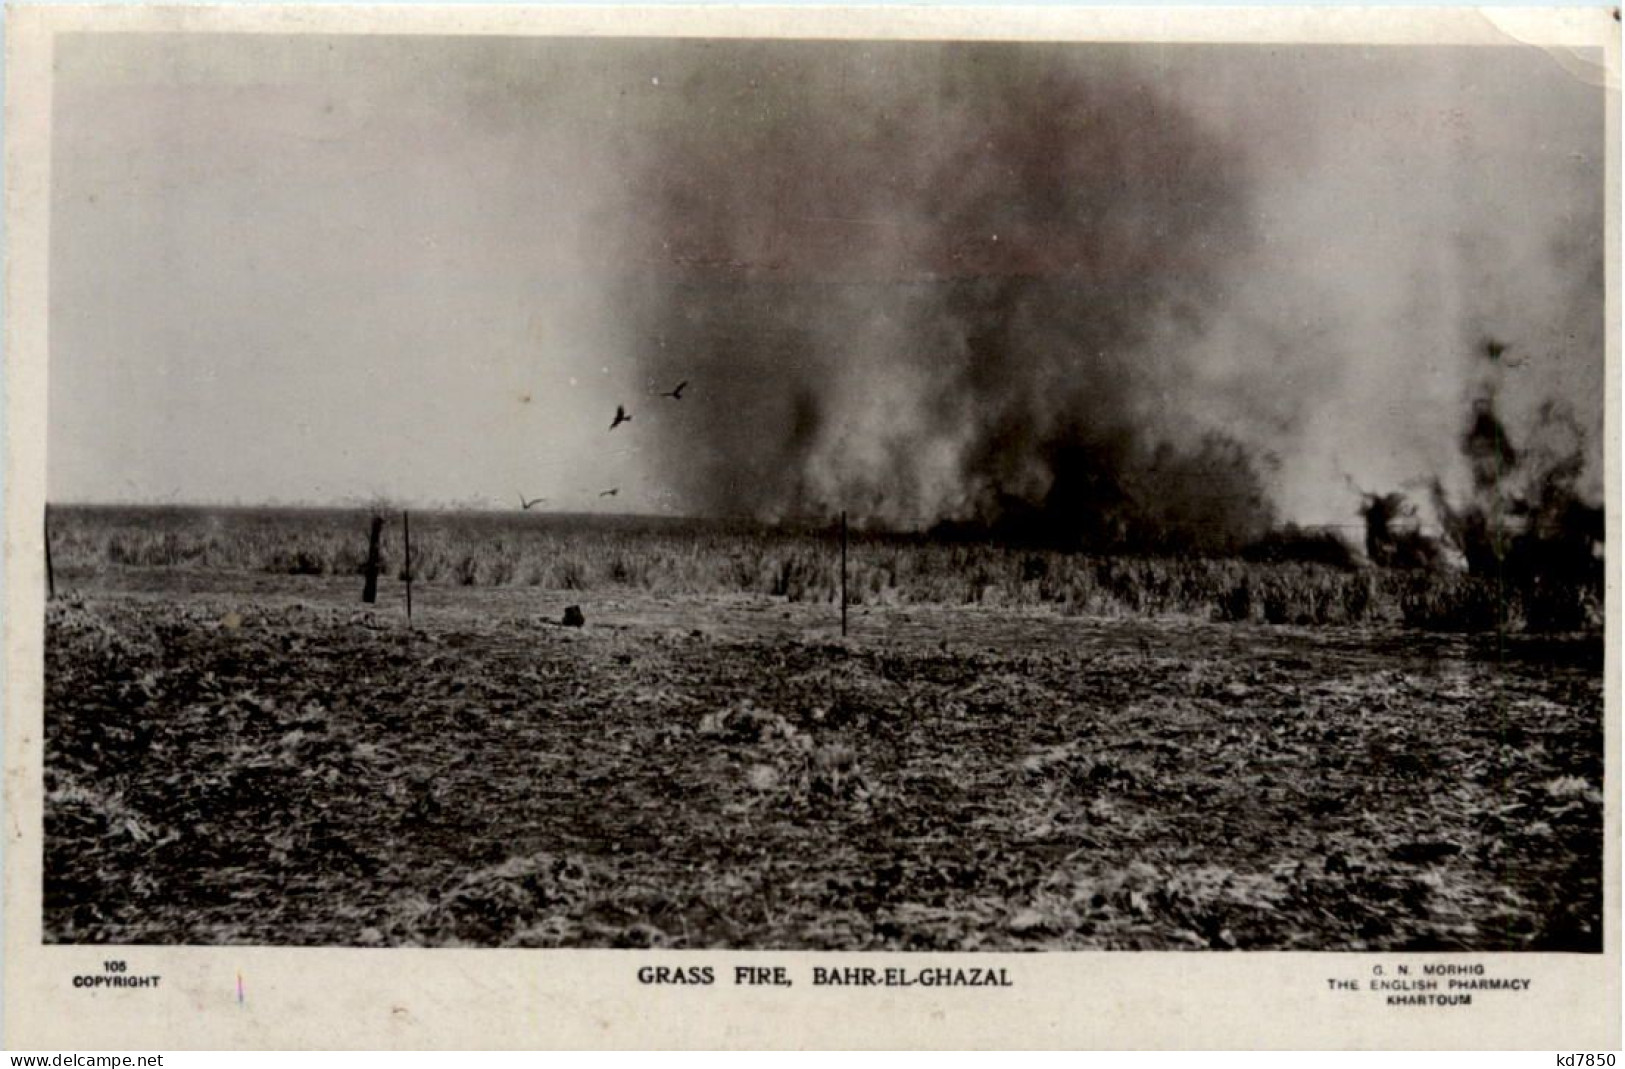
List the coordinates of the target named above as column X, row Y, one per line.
column 1526, row 526
column 1388, row 544
column 943, row 286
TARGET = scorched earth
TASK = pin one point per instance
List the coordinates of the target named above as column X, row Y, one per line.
column 252, row 759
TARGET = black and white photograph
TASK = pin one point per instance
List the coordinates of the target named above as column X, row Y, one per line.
column 843, row 495
column 719, row 493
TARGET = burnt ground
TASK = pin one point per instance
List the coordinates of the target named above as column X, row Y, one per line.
column 253, row 760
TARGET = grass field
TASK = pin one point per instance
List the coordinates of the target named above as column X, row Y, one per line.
column 801, row 563
column 238, row 753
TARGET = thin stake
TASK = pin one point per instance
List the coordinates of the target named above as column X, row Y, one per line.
column 406, row 529
column 369, row 592
column 843, row 573
column 50, row 573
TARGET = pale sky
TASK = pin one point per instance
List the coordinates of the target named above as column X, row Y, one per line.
column 330, row 269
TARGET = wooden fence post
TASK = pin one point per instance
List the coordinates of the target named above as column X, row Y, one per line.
column 843, row 573
column 369, row 593
column 50, row 573
column 406, row 529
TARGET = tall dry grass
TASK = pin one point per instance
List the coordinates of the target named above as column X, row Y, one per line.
column 799, row 564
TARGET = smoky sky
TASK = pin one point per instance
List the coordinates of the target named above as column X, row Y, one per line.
column 1100, row 285
column 928, row 283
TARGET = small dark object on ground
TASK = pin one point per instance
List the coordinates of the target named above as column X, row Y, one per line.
column 1423, row 853
column 573, row 617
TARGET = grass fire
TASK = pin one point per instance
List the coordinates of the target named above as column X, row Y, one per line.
column 529, row 491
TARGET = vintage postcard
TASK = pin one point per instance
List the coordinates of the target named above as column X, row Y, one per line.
column 863, row 527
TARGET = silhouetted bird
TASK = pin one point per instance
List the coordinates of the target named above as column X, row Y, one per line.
column 610, row 493
column 677, row 394
column 528, row 505
column 1496, row 351
column 620, row 417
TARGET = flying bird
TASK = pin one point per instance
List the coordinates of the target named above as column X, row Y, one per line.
column 620, row 417
column 1496, row 351
column 677, row 394
column 610, row 493
column 528, row 505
